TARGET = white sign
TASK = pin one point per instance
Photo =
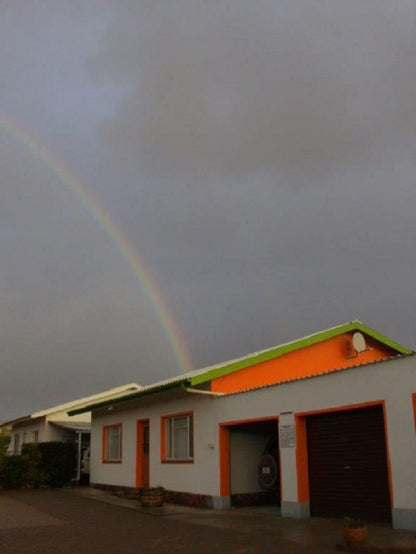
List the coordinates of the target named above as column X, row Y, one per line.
column 287, row 436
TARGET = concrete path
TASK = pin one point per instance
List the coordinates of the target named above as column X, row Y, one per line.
column 90, row 521
column 263, row 521
column 16, row 514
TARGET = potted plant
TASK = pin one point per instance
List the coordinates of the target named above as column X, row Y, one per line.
column 152, row 496
column 355, row 530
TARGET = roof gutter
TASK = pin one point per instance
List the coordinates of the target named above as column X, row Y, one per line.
column 200, row 391
column 130, row 397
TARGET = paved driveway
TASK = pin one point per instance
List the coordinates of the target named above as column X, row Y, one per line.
column 64, row 521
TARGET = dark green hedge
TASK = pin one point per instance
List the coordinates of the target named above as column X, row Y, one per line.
column 58, row 462
column 45, row 464
column 35, row 471
column 13, row 472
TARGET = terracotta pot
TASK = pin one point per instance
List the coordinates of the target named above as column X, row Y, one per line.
column 355, row 535
column 152, row 497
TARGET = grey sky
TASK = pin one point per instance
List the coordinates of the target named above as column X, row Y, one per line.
column 259, row 156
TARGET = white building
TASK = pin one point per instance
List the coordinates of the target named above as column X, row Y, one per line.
column 54, row 424
column 344, row 437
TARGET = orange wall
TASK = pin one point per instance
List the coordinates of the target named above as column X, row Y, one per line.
column 330, row 354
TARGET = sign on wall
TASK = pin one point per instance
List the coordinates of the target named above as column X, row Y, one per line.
column 287, row 436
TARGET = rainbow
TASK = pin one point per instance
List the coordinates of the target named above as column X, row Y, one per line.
column 94, row 207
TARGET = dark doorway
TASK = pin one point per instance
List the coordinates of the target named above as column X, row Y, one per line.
column 254, row 463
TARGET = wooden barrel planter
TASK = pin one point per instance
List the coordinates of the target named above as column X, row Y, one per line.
column 153, row 496
column 355, row 532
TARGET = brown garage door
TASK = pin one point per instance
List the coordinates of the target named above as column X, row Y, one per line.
column 348, row 465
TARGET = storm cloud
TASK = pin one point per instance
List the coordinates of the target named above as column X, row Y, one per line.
column 259, row 156
column 230, row 88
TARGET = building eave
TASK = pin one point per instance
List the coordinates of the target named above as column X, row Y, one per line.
column 275, row 352
column 204, row 375
column 131, row 397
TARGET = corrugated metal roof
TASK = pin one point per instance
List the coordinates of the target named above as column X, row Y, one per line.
column 110, row 393
column 200, row 376
column 107, row 394
column 16, row 420
column 270, row 353
column 162, row 386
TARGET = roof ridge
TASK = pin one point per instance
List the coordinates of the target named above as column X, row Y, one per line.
column 100, row 395
column 255, row 353
column 206, row 374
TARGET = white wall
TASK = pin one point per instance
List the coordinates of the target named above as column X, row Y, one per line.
column 28, row 428
column 63, row 416
column 196, row 477
column 245, row 451
column 47, row 432
column 393, row 381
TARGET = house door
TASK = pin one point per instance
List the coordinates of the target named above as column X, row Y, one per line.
column 142, row 453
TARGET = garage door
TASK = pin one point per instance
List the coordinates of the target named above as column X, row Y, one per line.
column 348, row 465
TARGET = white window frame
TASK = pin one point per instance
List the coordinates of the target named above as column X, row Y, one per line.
column 16, row 443
column 173, row 424
column 112, row 437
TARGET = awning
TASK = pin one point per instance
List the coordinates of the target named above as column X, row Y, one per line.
column 76, row 426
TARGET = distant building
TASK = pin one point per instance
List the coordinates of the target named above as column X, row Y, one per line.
column 54, row 424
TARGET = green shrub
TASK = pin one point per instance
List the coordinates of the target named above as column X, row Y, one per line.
column 4, row 443
column 13, row 472
column 49, row 463
column 58, row 462
column 35, row 474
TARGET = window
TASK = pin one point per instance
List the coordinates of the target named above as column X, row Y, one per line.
column 112, row 443
column 177, row 438
column 35, row 437
column 16, row 444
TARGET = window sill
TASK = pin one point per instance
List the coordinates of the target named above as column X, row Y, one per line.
column 177, row 461
column 111, row 461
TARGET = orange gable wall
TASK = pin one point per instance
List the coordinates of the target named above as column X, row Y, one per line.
column 334, row 353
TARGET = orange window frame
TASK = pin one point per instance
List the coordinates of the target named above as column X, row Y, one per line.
column 104, row 442
column 164, row 435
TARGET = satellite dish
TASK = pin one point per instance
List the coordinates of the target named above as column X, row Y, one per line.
column 358, row 342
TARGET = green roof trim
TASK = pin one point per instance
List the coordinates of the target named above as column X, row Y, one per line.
column 133, row 396
column 277, row 351
column 201, row 376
